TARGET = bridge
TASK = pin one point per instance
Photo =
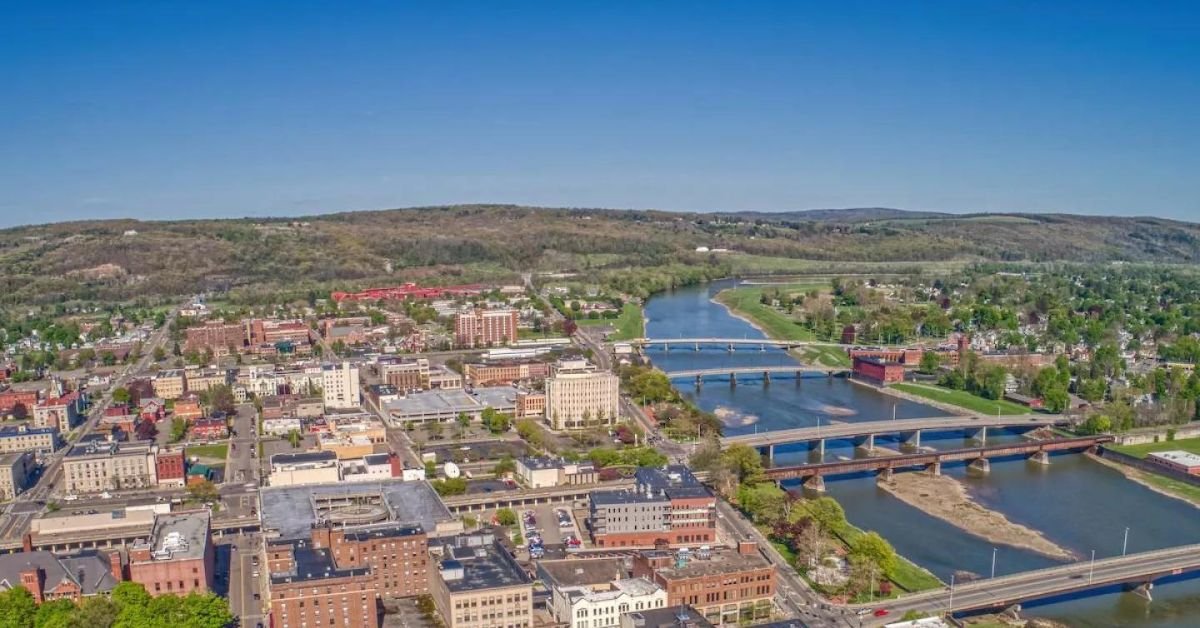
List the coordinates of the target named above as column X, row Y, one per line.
column 1136, row 571
column 731, row 343
column 765, row 372
column 1037, row 450
column 909, row 430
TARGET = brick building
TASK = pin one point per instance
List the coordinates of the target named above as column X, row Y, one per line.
column 307, row 588
column 485, row 328
column 216, row 336
column 879, row 370
column 726, row 587
column 210, row 428
column 666, row 505
column 397, row 555
column 268, row 331
column 479, row 584
column 910, row 358
column 178, row 558
column 50, row 577
column 170, row 466
column 63, row 412
column 18, row 402
column 505, row 372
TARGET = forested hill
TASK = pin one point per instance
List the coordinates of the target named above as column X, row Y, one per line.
column 126, row 258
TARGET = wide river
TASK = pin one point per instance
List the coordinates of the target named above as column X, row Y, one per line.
column 1077, row 503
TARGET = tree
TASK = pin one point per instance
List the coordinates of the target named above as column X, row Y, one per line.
column 506, row 517
column 220, row 398
column 876, row 549
column 745, row 463
column 930, row 362
column 506, row 465
column 127, row 594
column 95, row 611
column 764, row 502
column 54, row 614
column 121, row 395
column 826, row 512
column 204, row 491
column 435, row 429
column 17, row 608
column 464, row 419
column 178, row 429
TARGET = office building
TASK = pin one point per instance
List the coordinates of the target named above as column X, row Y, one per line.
column 178, row 558
column 578, row 396
column 18, row 438
column 727, row 587
column 339, row 385
column 309, row 467
column 109, row 466
column 585, row 607
column 666, row 505
column 480, row 585
column 485, row 328
column 16, row 472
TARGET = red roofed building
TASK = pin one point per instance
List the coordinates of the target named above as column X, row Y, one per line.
column 408, row 291
column 210, row 428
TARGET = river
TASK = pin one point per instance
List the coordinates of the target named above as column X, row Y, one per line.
column 1077, row 503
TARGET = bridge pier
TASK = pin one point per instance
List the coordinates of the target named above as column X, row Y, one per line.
column 1143, row 590
column 769, row 453
column 980, row 466
column 731, row 347
column 980, row 435
column 865, row 443
column 815, row 484
column 699, row 378
column 766, row 377
column 1040, row 457
column 762, row 348
column 732, row 380
column 934, row 468
column 885, row 474
column 910, row 440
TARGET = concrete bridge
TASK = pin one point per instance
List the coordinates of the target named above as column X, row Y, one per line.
column 731, row 343
column 1138, row 572
column 796, row 370
column 909, row 430
column 1037, row 450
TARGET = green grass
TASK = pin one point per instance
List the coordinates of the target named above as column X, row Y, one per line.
column 745, row 301
column 905, row 575
column 215, row 452
column 627, row 326
column 1191, row 492
column 963, row 399
column 1191, row 445
column 747, row 265
column 529, row 334
column 825, row 356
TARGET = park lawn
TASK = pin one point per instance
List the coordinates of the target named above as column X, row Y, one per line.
column 963, row 399
column 1191, row 445
column 906, row 574
column 214, row 452
column 627, row 326
column 529, row 334
column 745, row 301
column 825, row 356
column 1187, row 491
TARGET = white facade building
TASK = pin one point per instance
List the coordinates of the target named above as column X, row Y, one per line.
column 582, row 607
column 579, row 395
column 339, row 384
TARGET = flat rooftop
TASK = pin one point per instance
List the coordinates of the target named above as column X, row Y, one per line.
column 1180, row 457
column 313, row 564
column 179, row 536
column 486, row 566
column 292, row 510
column 573, row 572
column 453, row 401
column 721, row 562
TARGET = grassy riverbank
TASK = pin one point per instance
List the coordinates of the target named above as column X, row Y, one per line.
column 962, row 399
column 629, row 325
column 746, row 302
column 1162, row 484
column 1191, row 445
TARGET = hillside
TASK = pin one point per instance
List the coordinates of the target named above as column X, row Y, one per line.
column 122, row 259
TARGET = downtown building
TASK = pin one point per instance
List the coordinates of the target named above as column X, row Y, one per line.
column 666, row 506
column 727, row 587
column 485, row 328
column 578, row 396
column 479, row 584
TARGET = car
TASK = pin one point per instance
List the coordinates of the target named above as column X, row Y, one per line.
column 257, row 596
column 882, row 612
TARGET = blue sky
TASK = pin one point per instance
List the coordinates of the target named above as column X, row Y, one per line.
column 216, row 109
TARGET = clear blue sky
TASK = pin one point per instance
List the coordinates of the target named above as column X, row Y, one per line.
column 191, row 109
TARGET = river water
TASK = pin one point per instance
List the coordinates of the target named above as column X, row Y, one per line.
column 1077, row 503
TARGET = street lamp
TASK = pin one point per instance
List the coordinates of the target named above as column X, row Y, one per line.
column 950, row 607
column 1125, row 543
column 994, row 562
column 1092, row 567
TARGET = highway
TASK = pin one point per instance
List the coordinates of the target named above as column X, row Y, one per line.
column 1006, row 591
column 866, row 428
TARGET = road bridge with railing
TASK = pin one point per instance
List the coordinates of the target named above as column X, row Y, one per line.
column 1038, row 450
column 732, row 343
column 1138, row 572
column 863, row 433
column 764, row 372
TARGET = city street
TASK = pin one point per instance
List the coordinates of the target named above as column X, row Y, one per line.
column 243, row 584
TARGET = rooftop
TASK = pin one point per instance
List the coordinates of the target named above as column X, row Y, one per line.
column 302, row 458
column 89, row 569
column 106, row 448
column 670, row 617
column 179, row 536
column 11, row 431
column 634, row 587
column 292, row 510
column 1185, row 458
column 454, row 401
column 473, row 563
column 721, row 562
column 573, row 572
column 675, row 481
column 313, row 564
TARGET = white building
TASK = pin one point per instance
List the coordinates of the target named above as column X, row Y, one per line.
column 579, row 395
column 339, row 383
column 582, row 607
column 369, row 468
column 310, row 467
column 281, row 426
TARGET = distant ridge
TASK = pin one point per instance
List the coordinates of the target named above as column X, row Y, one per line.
column 848, row 215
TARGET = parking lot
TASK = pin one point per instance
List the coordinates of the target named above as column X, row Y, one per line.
column 553, row 534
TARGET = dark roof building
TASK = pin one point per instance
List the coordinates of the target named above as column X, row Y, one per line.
column 50, row 577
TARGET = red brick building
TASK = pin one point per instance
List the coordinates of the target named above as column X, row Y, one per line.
column 727, row 587
column 16, row 401
column 485, row 328
column 216, row 336
column 269, row 331
column 71, row 577
column 666, row 506
column 179, row 557
column 910, row 358
column 210, row 429
column 170, row 466
column 879, row 370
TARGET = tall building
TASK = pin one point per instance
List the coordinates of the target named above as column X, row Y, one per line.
column 178, row 558
column 666, row 505
column 578, row 396
column 480, row 585
column 339, row 384
column 216, row 336
column 338, row 575
column 485, row 328
column 169, row 384
column 16, row 470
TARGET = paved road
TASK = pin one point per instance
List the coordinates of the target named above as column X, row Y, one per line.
column 1005, row 591
column 243, row 584
column 863, row 428
column 18, row 514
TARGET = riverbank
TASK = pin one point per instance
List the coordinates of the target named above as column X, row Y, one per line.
column 1157, row 483
column 946, row 498
column 961, row 399
column 744, row 304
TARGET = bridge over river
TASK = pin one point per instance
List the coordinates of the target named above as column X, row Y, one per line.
column 732, row 343
column 1137, row 571
column 764, row 372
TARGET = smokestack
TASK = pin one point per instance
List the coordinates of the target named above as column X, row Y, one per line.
column 114, row 565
